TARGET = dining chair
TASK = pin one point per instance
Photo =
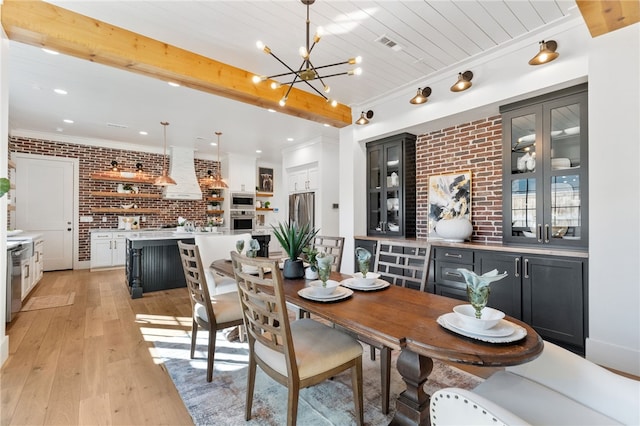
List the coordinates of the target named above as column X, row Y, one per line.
column 405, row 264
column 330, row 245
column 211, row 313
column 296, row 354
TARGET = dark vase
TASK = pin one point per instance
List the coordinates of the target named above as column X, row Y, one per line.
column 293, row 269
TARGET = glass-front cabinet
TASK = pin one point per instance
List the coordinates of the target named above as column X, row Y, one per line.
column 545, row 169
column 391, row 186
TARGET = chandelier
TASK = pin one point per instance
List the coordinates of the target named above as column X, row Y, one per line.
column 307, row 72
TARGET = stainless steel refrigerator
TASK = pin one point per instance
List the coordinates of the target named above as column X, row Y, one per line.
column 302, row 208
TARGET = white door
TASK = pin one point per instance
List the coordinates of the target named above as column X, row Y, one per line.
column 44, row 204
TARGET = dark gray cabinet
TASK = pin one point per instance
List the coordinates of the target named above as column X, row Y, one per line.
column 545, row 169
column 391, row 186
column 546, row 292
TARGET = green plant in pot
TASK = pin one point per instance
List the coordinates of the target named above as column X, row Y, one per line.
column 293, row 239
column 310, row 254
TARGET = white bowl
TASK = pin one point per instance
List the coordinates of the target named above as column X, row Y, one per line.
column 370, row 279
column 467, row 314
column 320, row 290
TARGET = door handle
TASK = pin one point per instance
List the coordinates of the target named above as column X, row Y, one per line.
column 517, row 267
column 69, row 229
column 526, row 268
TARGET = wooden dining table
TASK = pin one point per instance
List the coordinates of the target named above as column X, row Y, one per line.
column 406, row 320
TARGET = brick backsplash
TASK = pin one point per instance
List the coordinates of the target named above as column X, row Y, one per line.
column 98, row 159
column 475, row 146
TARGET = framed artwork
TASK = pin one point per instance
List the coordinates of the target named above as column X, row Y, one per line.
column 449, row 197
column 265, row 179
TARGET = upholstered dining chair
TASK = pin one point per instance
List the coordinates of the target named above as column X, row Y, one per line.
column 330, row 245
column 296, row 354
column 406, row 264
column 211, row 313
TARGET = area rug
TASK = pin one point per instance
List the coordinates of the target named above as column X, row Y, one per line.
column 222, row 402
column 45, row 302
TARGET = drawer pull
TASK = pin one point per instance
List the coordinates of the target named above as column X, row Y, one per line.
column 457, row 256
column 453, row 274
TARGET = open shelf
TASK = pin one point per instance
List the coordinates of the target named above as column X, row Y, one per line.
column 214, row 199
column 124, row 195
column 215, row 211
column 264, row 194
column 115, row 177
column 264, row 209
column 120, row 210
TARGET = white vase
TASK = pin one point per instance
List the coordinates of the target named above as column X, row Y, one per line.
column 454, row 230
column 310, row 274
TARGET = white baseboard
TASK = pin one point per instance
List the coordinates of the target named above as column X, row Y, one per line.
column 4, row 350
column 613, row 356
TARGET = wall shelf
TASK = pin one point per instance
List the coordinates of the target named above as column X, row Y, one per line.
column 220, row 199
column 215, row 211
column 264, row 194
column 120, row 210
column 124, row 195
column 264, row 209
column 113, row 177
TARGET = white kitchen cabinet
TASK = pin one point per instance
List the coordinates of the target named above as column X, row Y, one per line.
column 38, row 261
column 108, row 249
column 305, row 179
column 27, row 277
column 32, row 268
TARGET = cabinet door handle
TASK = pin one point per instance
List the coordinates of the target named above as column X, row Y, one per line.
column 539, row 233
column 453, row 274
column 28, row 271
column 457, row 256
column 546, row 233
column 517, row 267
column 115, row 245
column 110, row 245
column 526, row 268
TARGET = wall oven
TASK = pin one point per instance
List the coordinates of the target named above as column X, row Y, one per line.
column 243, row 220
column 243, row 200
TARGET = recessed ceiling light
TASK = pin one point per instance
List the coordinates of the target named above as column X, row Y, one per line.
column 214, row 144
column 258, row 151
column 50, row 52
column 66, row 120
column 59, row 129
column 60, row 91
column 143, row 133
column 289, row 139
column 271, row 110
column 326, row 125
column 173, row 84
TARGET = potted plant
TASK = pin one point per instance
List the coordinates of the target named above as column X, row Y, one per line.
column 311, row 272
column 293, row 239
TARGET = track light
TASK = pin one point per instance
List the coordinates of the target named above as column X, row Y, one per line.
column 546, row 54
column 364, row 117
column 464, row 81
column 421, row 97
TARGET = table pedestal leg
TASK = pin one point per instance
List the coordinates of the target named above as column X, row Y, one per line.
column 412, row 405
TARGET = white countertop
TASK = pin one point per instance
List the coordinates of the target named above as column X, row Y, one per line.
column 26, row 235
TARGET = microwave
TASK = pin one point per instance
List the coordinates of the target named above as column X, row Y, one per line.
column 243, row 200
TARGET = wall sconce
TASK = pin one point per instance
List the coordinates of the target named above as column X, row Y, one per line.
column 464, row 81
column 364, row 118
column 421, row 97
column 210, row 175
column 114, row 165
column 546, row 54
column 139, row 167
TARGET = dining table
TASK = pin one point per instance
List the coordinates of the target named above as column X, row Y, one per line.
column 409, row 321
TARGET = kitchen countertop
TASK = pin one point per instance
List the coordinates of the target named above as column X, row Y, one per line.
column 171, row 234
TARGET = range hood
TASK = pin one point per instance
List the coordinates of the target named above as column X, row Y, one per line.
column 182, row 170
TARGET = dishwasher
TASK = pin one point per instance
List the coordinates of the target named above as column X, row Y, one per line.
column 18, row 255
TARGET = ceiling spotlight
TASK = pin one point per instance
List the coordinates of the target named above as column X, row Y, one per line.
column 546, row 54
column 464, row 81
column 364, row 117
column 421, row 97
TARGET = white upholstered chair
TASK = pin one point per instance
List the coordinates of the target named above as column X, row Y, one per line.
column 211, row 313
column 215, row 247
column 557, row 388
column 296, row 354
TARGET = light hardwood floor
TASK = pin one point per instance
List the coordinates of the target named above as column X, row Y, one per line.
column 88, row 363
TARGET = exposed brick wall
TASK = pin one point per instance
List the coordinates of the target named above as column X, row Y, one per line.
column 96, row 160
column 475, row 146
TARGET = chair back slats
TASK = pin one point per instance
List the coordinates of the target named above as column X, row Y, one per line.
column 403, row 263
column 263, row 305
column 330, row 245
column 195, row 278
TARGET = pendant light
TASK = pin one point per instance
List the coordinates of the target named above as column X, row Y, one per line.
column 164, row 179
column 546, row 54
column 464, row 81
column 364, row 118
column 217, row 182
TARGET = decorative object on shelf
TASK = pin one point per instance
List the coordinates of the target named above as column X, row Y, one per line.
column 478, row 288
column 463, row 83
column 307, row 72
column 293, row 239
column 364, row 259
column 450, row 198
column 546, row 54
column 114, row 166
column 217, row 182
column 267, row 204
column 455, row 230
column 265, row 179
column 421, row 97
column 127, row 188
column 164, row 179
column 364, row 118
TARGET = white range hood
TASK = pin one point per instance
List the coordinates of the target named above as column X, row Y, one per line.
column 182, row 170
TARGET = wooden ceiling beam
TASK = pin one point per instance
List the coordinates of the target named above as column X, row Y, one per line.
column 45, row 25
column 603, row 16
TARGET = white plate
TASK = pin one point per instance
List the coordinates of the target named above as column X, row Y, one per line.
column 253, row 270
column 353, row 283
column 501, row 329
column 518, row 333
column 340, row 293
